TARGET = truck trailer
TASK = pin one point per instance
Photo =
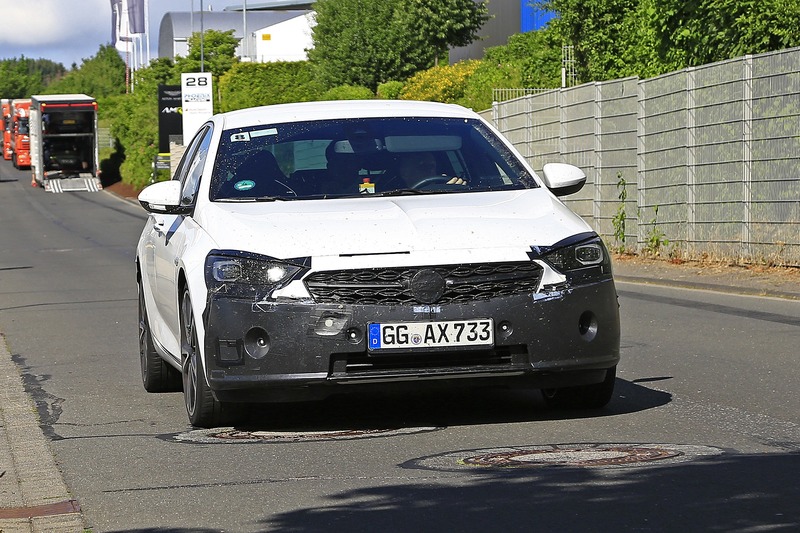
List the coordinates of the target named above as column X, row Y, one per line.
column 5, row 125
column 64, row 144
column 20, row 135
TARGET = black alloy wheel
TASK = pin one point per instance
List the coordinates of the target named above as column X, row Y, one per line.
column 157, row 374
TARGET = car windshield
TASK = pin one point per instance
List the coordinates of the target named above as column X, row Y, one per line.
column 363, row 157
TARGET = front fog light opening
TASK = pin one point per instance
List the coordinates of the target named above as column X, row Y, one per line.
column 587, row 326
column 256, row 343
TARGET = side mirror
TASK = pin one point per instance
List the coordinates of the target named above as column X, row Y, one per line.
column 163, row 197
column 563, row 179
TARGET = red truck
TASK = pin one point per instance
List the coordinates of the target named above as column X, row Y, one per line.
column 5, row 125
column 20, row 133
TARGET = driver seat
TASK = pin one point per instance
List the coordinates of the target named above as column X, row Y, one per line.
column 258, row 175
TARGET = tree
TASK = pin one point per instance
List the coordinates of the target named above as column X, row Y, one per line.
column 99, row 76
column 442, row 24
column 705, row 31
column 255, row 84
column 134, row 120
column 599, row 32
column 355, row 44
column 22, row 77
column 215, row 53
column 366, row 43
column 618, row 38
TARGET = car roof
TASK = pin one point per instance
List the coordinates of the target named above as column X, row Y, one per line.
column 302, row 111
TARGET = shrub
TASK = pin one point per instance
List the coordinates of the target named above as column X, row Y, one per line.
column 256, row 84
column 348, row 92
column 390, row 90
column 440, row 84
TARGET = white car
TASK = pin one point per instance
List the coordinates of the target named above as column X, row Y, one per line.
column 308, row 249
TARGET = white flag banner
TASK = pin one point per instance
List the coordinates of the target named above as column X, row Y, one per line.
column 121, row 35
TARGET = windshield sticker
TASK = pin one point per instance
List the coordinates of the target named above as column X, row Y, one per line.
column 239, row 137
column 264, row 133
column 244, row 185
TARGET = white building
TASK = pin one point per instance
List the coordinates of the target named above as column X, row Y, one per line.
column 275, row 35
column 285, row 41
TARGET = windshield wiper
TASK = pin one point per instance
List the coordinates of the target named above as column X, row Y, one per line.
column 400, row 192
column 244, row 199
column 271, row 199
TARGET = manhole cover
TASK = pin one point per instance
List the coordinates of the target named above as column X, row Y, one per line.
column 238, row 436
column 571, row 455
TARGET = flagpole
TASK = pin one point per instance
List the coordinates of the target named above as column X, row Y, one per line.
column 147, row 27
column 244, row 32
column 202, row 53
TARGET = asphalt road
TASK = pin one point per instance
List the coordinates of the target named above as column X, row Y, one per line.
column 703, row 433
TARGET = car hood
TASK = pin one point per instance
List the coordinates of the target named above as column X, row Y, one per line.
column 385, row 225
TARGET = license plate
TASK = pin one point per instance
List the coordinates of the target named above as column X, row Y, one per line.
column 410, row 335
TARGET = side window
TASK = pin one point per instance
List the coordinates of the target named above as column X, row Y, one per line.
column 188, row 154
column 190, row 169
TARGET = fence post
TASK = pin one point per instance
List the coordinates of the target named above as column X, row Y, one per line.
column 747, row 156
column 691, row 148
column 598, row 157
column 641, row 147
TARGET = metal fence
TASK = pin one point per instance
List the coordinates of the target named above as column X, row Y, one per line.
column 707, row 157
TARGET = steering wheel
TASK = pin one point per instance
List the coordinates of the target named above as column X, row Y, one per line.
column 424, row 182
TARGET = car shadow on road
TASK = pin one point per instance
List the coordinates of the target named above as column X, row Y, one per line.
column 730, row 492
column 459, row 407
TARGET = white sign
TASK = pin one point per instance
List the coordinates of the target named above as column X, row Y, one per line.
column 197, row 101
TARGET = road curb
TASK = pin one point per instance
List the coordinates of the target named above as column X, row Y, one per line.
column 33, row 495
column 716, row 287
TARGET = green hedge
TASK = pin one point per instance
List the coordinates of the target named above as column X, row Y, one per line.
column 348, row 92
column 257, row 84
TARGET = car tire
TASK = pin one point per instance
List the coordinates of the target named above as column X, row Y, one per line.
column 157, row 374
column 593, row 396
column 203, row 408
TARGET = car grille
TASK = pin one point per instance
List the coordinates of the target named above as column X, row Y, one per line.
column 393, row 286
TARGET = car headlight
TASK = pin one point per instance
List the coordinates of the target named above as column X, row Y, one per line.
column 584, row 261
column 248, row 275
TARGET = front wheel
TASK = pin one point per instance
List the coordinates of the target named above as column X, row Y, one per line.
column 203, row 408
column 593, row 396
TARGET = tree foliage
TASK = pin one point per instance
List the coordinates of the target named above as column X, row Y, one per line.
column 101, row 75
column 256, row 84
column 356, row 43
column 705, row 31
column 134, row 120
column 618, row 38
column 348, row 92
column 445, row 83
column 441, row 24
column 366, row 43
column 215, row 53
column 598, row 30
column 23, row 77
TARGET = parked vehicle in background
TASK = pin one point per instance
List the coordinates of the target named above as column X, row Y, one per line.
column 5, row 128
column 64, row 143
column 20, row 138
column 308, row 249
